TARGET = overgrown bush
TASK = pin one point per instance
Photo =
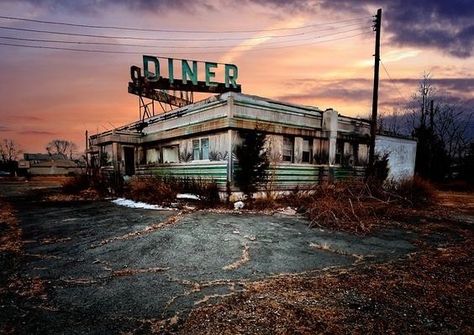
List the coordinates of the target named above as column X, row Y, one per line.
column 163, row 190
column 297, row 198
column 357, row 206
column 75, row 184
column 415, row 192
column 151, row 189
column 342, row 205
column 263, row 203
column 377, row 173
column 207, row 190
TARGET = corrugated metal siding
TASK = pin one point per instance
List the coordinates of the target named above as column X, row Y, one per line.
column 341, row 173
column 280, row 177
column 216, row 171
column 288, row 176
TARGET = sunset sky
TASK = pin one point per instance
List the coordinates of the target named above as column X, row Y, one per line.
column 315, row 53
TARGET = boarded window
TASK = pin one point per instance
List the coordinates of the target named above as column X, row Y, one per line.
column 288, row 149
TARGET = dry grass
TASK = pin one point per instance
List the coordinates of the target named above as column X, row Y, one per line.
column 343, row 206
column 75, row 184
column 10, row 232
column 152, row 190
column 163, row 191
column 414, row 192
column 358, row 207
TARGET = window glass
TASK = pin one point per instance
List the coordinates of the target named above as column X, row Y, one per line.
column 171, row 154
column 205, row 148
column 288, row 149
column 196, row 151
column 307, row 144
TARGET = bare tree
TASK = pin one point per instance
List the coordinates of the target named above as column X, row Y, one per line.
column 9, row 150
column 440, row 125
column 450, row 122
column 62, row 147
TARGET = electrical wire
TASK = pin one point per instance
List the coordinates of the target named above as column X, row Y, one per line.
column 176, row 47
column 162, row 56
column 150, row 38
column 392, row 81
column 171, row 30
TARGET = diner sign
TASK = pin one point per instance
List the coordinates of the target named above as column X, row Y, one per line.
column 195, row 76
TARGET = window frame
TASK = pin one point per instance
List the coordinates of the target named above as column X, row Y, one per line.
column 198, row 146
column 292, row 149
column 310, row 150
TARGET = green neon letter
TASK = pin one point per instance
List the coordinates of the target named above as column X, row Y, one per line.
column 150, row 76
column 170, row 70
column 187, row 72
column 231, row 79
column 210, row 74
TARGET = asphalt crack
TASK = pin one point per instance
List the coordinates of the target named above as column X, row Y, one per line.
column 147, row 230
column 244, row 258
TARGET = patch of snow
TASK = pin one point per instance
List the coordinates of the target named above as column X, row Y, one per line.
column 239, row 205
column 188, row 196
column 138, row 204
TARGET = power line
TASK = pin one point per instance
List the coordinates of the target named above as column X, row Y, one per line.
column 171, row 30
column 183, row 53
column 176, row 47
column 151, row 38
column 392, row 81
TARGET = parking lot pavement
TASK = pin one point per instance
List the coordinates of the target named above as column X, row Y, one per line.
column 100, row 262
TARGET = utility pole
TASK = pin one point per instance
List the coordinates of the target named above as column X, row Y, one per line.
column 375, row 98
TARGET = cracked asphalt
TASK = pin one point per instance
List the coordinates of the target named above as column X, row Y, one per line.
column 101, row 276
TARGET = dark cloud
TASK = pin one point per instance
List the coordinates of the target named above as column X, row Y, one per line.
column 4, row 128
column 292, row 5
column 359, row 90
column 445, row 25
column 461, row 85
column 94, row 6
column 352, row 89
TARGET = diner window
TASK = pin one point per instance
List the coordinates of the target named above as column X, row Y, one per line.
column 307, row 150
column 170, row 154
column 205, row 148
column 201, row 149
column 288, row 149
column 196, row 150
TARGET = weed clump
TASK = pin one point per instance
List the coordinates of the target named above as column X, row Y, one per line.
column 415, row 192
column 163, row 190
column 152, row 190
column 357, row 206
column 207, row 190
column 346, row 205
column 76, row 184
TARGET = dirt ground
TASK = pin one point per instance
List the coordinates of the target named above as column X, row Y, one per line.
column 81, row 267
